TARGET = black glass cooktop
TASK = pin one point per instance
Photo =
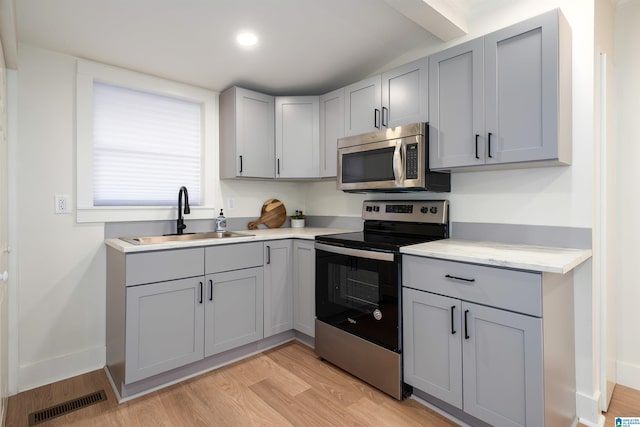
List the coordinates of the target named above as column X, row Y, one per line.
column 375, row 240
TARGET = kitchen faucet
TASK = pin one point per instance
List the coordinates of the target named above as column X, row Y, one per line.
column 180, row 223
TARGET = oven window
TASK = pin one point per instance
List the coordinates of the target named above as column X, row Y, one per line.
column 368, row 166
column 354, row 287
column 359, row 295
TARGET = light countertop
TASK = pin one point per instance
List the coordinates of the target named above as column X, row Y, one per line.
column 307, row 233
column 524, row 257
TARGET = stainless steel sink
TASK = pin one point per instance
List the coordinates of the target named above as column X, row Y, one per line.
column 148, row 240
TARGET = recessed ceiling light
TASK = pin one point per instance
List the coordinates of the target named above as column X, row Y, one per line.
column 247, row 39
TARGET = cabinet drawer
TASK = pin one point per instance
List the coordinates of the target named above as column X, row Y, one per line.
column 518, row 291
column 150, row 267
column 232, row 257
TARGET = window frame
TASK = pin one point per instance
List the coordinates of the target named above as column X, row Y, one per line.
column 87, row 72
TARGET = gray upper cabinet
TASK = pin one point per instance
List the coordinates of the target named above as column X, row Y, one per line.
column 456, row 106
column 331, row 128
column 503, row 99
column 397, row 97
column 405, row 94
column 528, row 91
column 278, row 287
column 362, row 105
column 297, row 137
column 247, row 147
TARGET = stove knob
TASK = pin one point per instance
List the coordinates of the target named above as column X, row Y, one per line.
column 433, row 209
column 424, row 209
column 376, row 208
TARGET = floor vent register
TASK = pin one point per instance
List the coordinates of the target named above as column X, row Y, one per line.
column 66, row 407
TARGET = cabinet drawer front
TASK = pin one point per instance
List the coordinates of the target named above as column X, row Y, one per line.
column 518, row 291
column 150, row 267
column 232, row 257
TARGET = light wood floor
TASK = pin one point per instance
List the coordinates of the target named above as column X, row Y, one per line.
column 281, row 387
column 284, row 386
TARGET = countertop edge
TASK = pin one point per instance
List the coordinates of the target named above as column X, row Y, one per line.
column 260, row 235
column 554, row 260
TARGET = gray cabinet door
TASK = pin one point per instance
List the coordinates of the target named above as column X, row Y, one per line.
column 304, row 287
column 164, row 327
column 331, row 128
column 456, row 106
column 522, row 91
column 502, row 365
column 255, row 138
column 278, row 288
column 362, row 102
column 233, row 309
column 297, row 137
column 405, row 94
column 432, row 344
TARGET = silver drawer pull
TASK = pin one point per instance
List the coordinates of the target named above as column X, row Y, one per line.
column 448, row 276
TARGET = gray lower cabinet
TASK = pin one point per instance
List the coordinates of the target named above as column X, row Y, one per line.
column 433, row 355
column 168, row 309
column 278, row 287
column 477, row 338
column 164, row 327
column 502, row 365
column 304, row 288
column 233, row 309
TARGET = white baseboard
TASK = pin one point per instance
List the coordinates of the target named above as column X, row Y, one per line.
column 60, row 368
column 588, row 409
column 628, row 375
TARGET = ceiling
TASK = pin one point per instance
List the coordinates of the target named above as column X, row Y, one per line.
column 305, row 46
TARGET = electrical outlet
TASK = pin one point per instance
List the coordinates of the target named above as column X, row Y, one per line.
column 62, row 204
column 231, row 203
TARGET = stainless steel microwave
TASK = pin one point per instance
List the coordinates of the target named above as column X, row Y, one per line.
column 390, row 160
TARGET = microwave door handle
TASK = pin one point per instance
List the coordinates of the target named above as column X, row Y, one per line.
column 398, row 169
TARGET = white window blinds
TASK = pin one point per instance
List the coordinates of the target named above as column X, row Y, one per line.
column 145, row 147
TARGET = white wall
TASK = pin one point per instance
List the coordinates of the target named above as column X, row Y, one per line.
column 61, row 264
column 627, row 36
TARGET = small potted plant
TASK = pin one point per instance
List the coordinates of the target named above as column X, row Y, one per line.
column 297, row 220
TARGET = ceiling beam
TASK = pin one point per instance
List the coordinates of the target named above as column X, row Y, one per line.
column 8, row 33
column 444, row 19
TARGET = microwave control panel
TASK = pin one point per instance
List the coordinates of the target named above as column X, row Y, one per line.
column 411, row 161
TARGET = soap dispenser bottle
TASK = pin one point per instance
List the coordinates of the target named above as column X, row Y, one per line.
column 221, row 222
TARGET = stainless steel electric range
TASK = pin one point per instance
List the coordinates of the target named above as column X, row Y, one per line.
column 358, row 288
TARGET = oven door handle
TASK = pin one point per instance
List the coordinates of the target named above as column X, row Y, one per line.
column 359, row 253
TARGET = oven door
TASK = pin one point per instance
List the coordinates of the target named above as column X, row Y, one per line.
column 395, row 164
column 357, row 291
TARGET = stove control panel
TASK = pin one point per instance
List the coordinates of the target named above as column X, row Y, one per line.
column 430, row 211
